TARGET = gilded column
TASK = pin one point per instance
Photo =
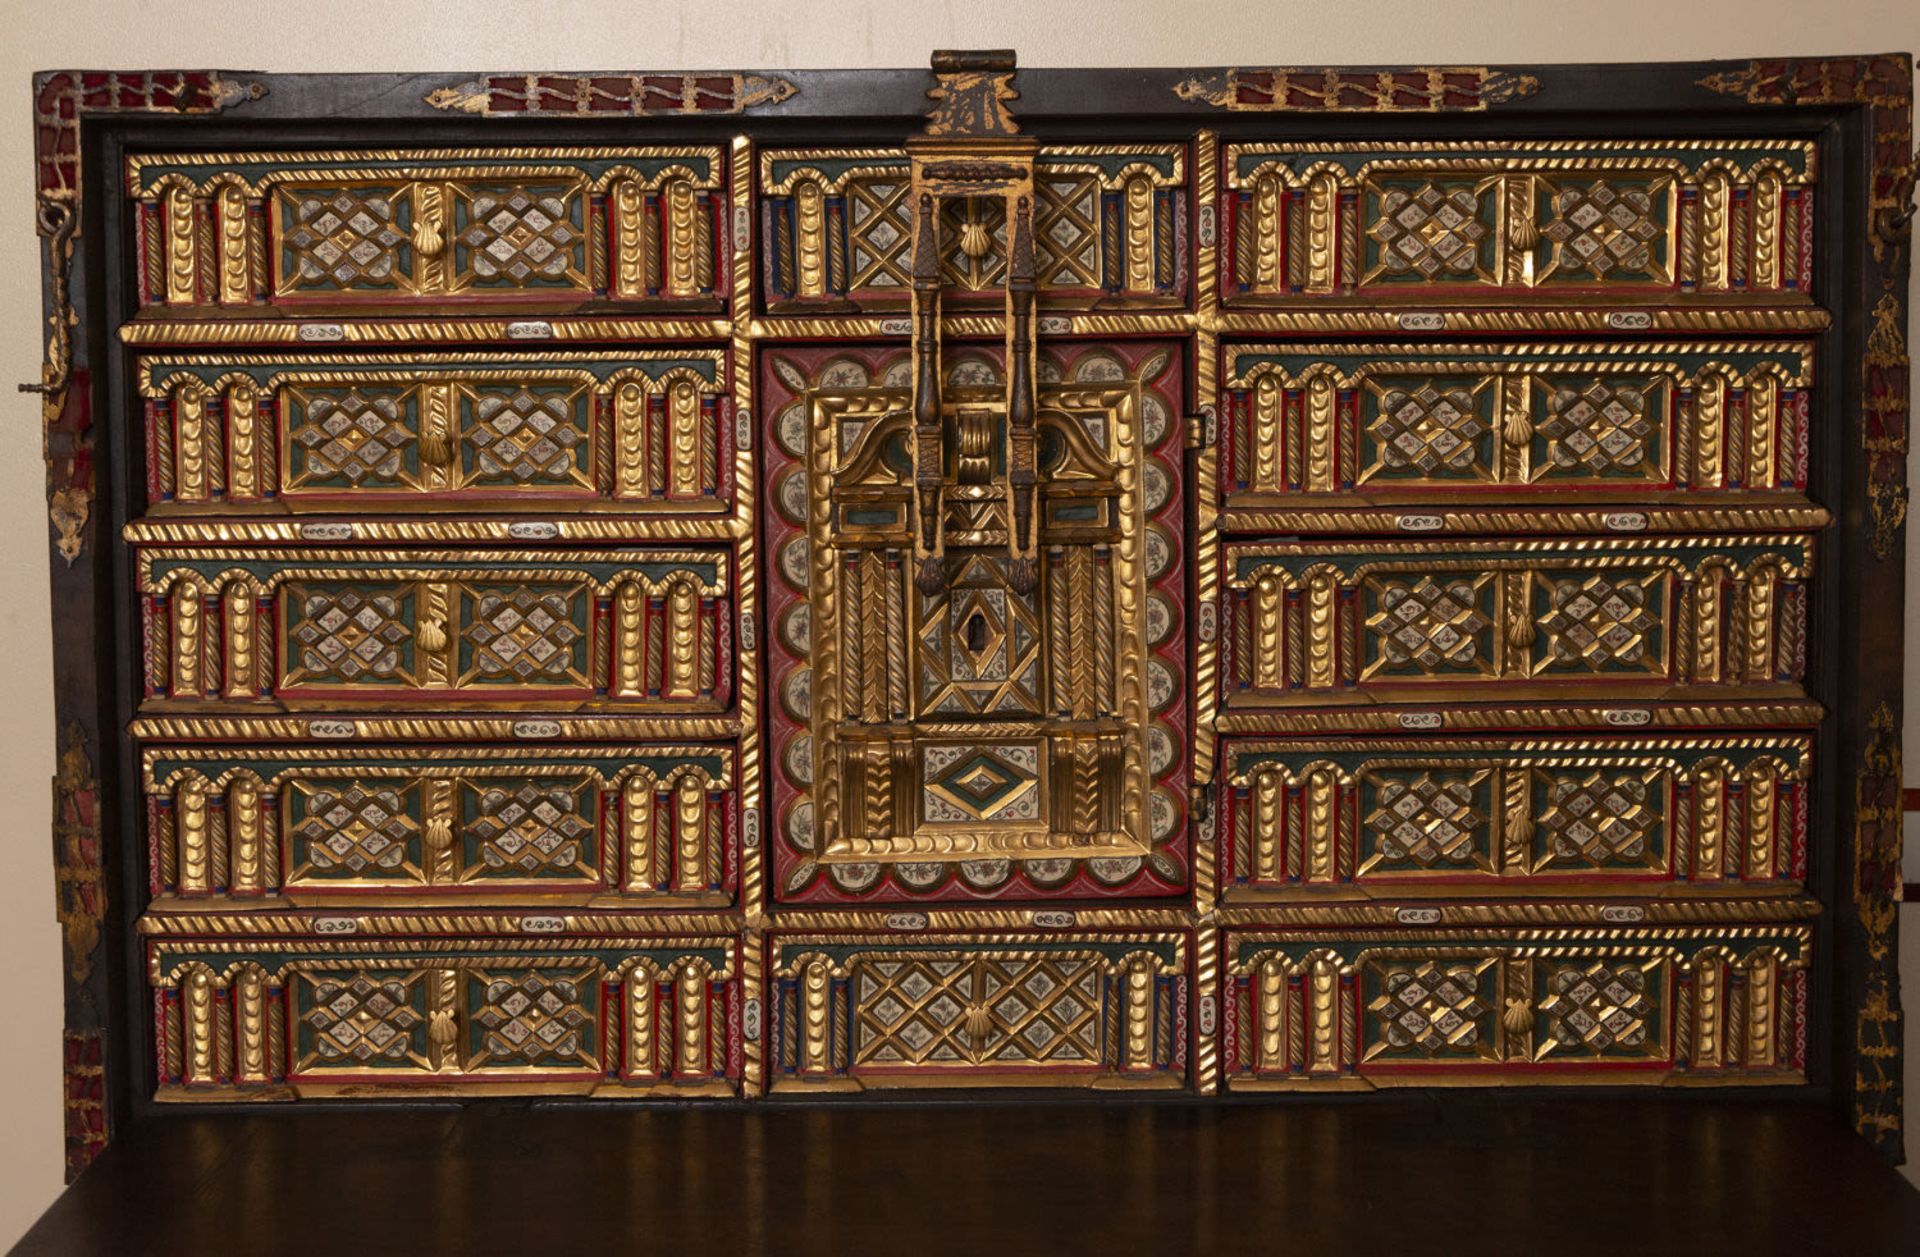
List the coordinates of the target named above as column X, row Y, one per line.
column 643, row 1060
column 243, row 441
column 193, row 838
column 236, row 280
column 683, row 240
column 629, row 642
column 245, row 836
column 690, row 833
column 636, row 820
column 197, row 997
column 1139, row 234
column 1270, row 1004
column 627, row 204
column 686, row 479
column 816, row 1016
column 183, row 265
column 683, row 641
column 690, row 1021
column 250, row 1027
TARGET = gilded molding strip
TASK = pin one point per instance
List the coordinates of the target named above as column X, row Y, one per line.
column 634, row 94
column 1466, row 89
column 381, row 927
column 1451, row 715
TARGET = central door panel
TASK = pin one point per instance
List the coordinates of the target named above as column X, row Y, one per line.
column 971, row 729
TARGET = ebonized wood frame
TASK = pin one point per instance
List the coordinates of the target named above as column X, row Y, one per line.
column 1857, row 108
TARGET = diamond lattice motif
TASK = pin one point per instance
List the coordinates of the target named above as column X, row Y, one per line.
column 349, row 635
column 536, row 1017
column 1598, row 820
column 524, row 634
column 363, row 1018
column 342, row 237
column 1425, row 820
column 1434, row 231
column 521, row 234
column 1435, row 1007
column 354, row 434
column 1429, row 624
column 524, row 436
column 1598, row 622
column 977, row 1010
column 1599, row 428
column 1599, row 228
column 880, row 233
column 1600, row 1007
column 532, row 829
column 1066, row 231
column 355, row 829
column 1428, row 429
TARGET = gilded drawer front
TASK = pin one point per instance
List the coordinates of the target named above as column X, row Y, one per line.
column 1309, row 821
column 962, row 1011
column 1109, row 229
column 393, row 229
column 1599, row 620
column 1461, row 425
column 1411, row 1009
column 298, row 1017
column 236, row 827
column 632, row 630
column 1694, row 222
column 635, row 431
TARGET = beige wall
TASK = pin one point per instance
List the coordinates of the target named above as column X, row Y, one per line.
column 646, row 34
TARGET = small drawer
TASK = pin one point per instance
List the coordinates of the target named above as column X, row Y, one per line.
column 1606, row 620
column 1109, row 230
column 1709, row 1005
column 1312, row 820
column 395, row 230
column 1049, row 1010
column 354, row 630
column 639, row 431
column 1462, row 426
column 246, row 828
column 306, row 1017
column 1662, row 222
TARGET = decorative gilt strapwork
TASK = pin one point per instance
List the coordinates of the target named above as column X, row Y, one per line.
column 1437, row 817
column 635, row 430
column 1406, row 1009
column 1609, row 619
column 1651, row 222
column 357, row 629
column 297, row 826
column 411, row 228
column 1109, row 225
column 1023, row 1011
column 1627, row 424
column 286, row 1018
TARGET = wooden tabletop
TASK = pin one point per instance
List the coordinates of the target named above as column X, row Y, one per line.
column 1481, row 1175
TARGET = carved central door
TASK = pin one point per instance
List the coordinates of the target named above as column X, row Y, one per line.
column 969, row 700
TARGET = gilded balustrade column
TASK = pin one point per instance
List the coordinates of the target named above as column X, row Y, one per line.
column 197, row 1001
column 643, row 1059
column 627, row 204
column 690, row 833
column 1272, row 1012
column 1324, row 1014
column 687, row 472
column 182, row 246
column 682, row 679
column 243, row 442
column 690, row 1029
column 1269, row 848
column 241, row 637
column 1138, row 198
column 816, row 1016
column 251, row 1058
column 629, row 679
column 636, row 824
column 236, row 249
column 192, row 479
column 683, row 239
column 246, row 830
column 1137, row 976
column 193, row 838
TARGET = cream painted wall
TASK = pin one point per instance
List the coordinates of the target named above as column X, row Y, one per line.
column 647, row 34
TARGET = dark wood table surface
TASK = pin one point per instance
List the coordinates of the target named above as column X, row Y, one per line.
column 1480, row 1175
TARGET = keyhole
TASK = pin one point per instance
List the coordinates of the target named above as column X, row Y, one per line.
column 976, row 633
